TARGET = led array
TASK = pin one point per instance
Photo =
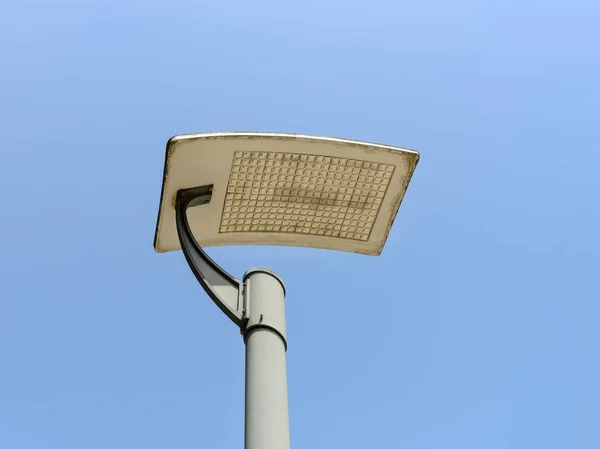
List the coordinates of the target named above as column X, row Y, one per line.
column 305, row 194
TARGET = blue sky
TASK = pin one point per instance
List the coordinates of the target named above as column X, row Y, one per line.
column 476, row 328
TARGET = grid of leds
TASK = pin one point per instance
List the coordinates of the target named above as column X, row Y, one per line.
column 304, row 194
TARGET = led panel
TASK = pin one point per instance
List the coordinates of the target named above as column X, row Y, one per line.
column 285, row 189
column 305, row 194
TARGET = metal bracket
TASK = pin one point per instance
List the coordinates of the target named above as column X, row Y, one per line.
column 225, row 290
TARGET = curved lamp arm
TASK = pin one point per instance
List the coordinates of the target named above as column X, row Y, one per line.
column 223, row 289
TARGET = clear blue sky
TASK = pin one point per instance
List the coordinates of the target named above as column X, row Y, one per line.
column 477, row 328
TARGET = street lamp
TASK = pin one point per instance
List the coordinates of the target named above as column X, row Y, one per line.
column 273, row 189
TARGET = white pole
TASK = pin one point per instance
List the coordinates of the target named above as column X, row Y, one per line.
column 267, row 421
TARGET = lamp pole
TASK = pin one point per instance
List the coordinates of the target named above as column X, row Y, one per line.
column 267, row 422
column 257, row 307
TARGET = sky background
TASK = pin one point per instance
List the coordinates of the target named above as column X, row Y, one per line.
column 478, row 326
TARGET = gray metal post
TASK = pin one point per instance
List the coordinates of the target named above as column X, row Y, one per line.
column 267, row 421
